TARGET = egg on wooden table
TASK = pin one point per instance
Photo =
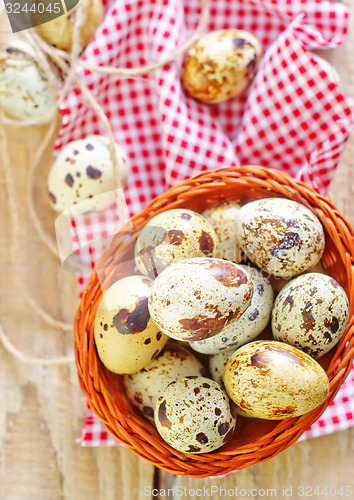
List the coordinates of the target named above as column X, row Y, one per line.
column 281, row 236
column 84, row 169
column 193, row 415
column 311, row 313
column 222, row 218
column 145, row 386
column 26, row 92
column 126, row 338
column 196, row 298
column 220, row 65
column 273, row 380
column 172, row 236
column 249, row 325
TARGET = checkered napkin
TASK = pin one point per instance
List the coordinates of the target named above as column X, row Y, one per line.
column 294, row 117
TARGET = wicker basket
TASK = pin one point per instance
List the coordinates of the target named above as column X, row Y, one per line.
column 253, row 440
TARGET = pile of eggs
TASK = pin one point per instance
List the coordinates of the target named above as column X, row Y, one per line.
column 201, row 336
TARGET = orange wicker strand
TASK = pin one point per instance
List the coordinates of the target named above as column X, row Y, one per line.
column 253, row 440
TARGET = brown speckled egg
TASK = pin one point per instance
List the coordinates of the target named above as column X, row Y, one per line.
column 172, row 236
column 220, row 65
column 196, row 298
column 280, row 236
column 252, row 322
column 126, row 337
column 145, row 386
column 273, row 380
column 193, row 415
column 84, row 169
column 222, row 218
column 311, row 313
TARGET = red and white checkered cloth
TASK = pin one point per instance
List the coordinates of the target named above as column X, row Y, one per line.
column 294, row 117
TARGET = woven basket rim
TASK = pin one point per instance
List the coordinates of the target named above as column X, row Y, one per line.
column 271, row 437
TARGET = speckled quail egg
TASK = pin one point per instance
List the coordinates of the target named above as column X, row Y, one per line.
column 280, row 236
column 84, row 169
column 193, row 415
column 220, row 65
column 217, row 365
column 252, row 322
column 273, row 380
column 145, row 386
column 311, row 313
column 25, row 91
column 125, row 336
column 172, row 236
column 222, row 218
column 196, row 298
column 59, row 31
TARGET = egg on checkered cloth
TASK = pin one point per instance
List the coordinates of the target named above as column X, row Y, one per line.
column 83, row 170
column 220, row 65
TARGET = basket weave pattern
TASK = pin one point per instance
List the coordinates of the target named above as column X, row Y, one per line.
column 253, row 440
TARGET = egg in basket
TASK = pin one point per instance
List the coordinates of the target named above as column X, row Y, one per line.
column 170, row 301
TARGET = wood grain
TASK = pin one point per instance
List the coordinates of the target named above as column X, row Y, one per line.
column 41, row 410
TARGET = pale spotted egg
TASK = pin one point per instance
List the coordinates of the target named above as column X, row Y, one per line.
column 172, row 236
column 311, row 313
column 249, row 325
column 281, row 236
column 126, row 338
column 193, row 415
column 196, row 298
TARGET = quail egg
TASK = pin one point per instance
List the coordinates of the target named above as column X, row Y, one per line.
column 145, row 386
column 281, row 236
column 60, row 31
column 193, row 415
column 125, row 336
column 84, row 169
column 311, row 313
column 25, row 90
column 172, row 236
column 220, row 65
column 248, row 326
column 196, row 298
column 222, row 218
column 273, row 380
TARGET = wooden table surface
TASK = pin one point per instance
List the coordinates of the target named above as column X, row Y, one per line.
column 41, row 407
